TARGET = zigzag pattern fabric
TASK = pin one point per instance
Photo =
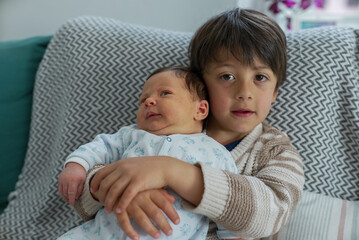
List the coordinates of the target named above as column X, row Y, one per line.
column 91, row 76
column 318, row 107
column 88, row 82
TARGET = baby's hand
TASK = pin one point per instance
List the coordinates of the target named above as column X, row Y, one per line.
column 71, row 182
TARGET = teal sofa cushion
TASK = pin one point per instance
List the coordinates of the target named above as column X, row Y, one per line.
column 19, row 61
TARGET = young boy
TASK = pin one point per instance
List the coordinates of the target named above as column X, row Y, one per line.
column 241, row 55
column 170, row 118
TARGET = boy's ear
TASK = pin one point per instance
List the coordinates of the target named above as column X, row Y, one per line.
column 275, row 96
column 202, row 110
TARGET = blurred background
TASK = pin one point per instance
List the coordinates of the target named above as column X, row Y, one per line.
column 24, row 18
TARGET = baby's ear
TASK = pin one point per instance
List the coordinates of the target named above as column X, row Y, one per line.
column 202, row 110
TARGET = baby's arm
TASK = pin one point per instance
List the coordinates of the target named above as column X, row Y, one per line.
column 105, row 148
column 71, row 182
column 72, row 178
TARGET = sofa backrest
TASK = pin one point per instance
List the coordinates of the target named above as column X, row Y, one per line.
column 90, row 79
column 318, row 107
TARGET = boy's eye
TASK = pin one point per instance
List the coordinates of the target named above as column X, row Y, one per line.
column 227, row 77
column 164, row 93
column 261, row 78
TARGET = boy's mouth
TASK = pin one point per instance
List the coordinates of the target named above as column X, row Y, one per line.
column 243, row 112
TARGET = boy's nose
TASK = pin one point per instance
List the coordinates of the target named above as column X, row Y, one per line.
column 244, row 91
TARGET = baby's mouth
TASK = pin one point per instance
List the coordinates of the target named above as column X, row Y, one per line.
column 151, row 114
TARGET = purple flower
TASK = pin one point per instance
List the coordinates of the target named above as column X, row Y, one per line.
column 305, row 4
column 274, row 7
column 319, row 3
column 289, row 4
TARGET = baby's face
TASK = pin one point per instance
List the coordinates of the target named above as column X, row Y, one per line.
column 166, row 106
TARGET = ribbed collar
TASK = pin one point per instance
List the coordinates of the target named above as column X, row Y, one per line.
column 247, row 141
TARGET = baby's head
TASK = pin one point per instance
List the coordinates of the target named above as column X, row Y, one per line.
column 244, row 34
column 173, row 101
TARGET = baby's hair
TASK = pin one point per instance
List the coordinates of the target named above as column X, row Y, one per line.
column 245, row 34
column 194, row 83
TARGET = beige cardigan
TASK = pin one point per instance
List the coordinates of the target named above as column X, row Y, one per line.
column 253, row 204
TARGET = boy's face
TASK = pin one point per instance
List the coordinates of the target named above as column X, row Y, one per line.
column 240, row 96
column 167, row 107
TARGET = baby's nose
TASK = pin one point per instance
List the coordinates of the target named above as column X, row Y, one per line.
column 150, row 101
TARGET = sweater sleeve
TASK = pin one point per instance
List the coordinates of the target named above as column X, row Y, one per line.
column 263, row 203
column 259, row 204
column 86, row 206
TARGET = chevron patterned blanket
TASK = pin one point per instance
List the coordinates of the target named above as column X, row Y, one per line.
column 89, row 81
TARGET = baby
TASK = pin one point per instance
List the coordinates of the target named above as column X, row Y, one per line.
column 170, row 120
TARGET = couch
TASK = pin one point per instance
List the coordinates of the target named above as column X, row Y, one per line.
column 62, row 90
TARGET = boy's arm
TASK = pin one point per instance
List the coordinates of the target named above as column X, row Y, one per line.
column 124, row 179
column 86, row 205
column 254, row 206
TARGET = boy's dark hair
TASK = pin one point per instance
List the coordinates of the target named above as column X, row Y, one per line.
column 245, row 34
column 194, row 83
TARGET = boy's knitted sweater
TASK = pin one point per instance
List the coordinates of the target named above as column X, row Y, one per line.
column 253, row 204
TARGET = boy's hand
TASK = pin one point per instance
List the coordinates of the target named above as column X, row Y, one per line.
column 147, row 206
column 122, row 180
column 71, row 182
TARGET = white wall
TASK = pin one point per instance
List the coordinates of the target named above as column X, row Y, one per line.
column 26, row 18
